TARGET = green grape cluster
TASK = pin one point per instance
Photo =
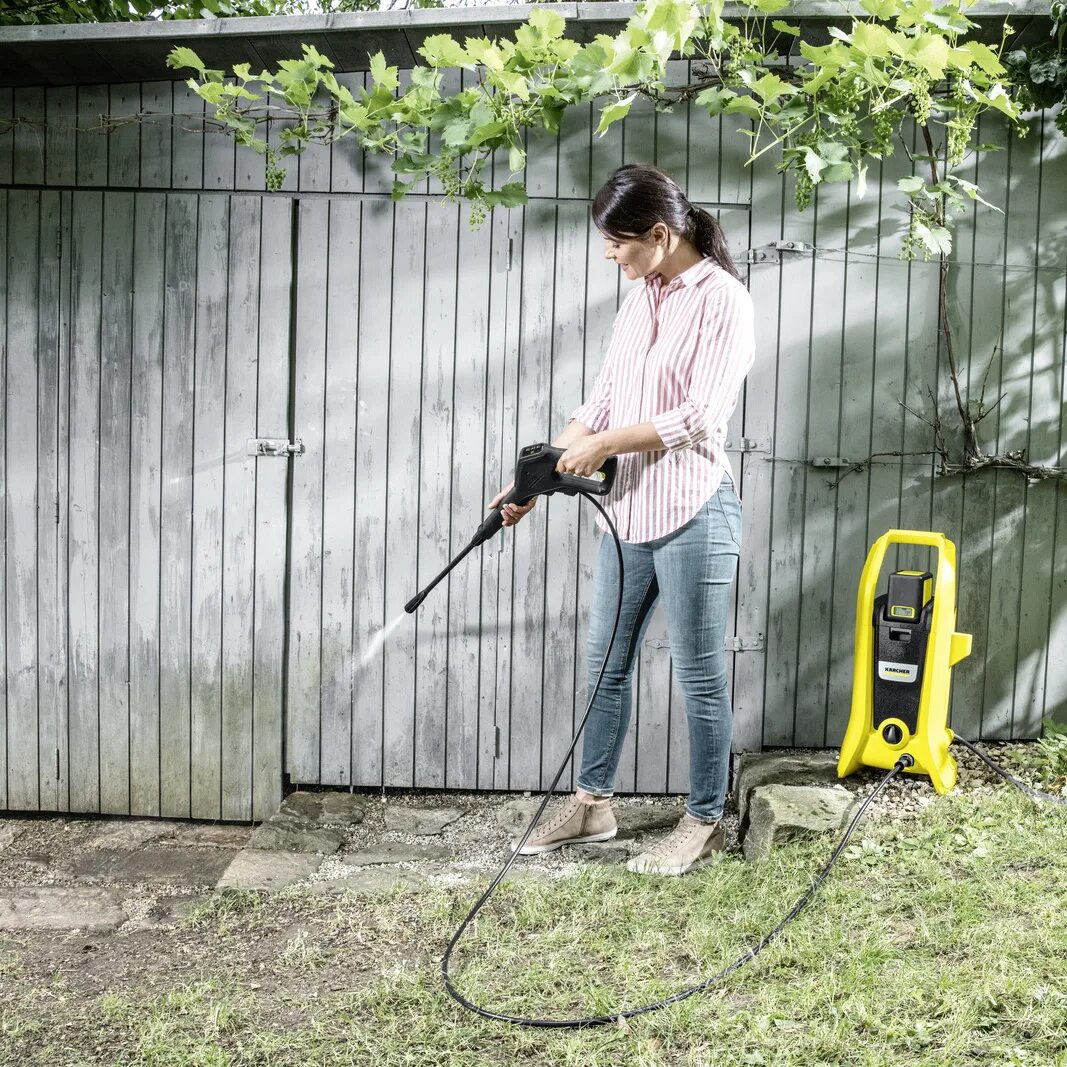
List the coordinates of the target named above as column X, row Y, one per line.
column 804, row 184
column 275, row 174
column 885, row 122
column 844, row 100
column 919, row 102
column 478, row 213
column 961, row 124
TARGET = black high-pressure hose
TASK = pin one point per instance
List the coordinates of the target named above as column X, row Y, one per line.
column 750, row 953
column 629, row 1013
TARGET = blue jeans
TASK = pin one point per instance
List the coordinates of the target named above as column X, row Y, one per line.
column 694, row 568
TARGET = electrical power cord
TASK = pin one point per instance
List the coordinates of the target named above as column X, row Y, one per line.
column 750, row 953
column 1050, row 798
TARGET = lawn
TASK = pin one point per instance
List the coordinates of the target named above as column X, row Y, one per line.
column 937, row 939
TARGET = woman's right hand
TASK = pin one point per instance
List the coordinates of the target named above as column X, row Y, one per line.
column 512, row 513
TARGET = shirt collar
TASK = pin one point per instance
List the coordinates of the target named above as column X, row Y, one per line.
column 690, row 276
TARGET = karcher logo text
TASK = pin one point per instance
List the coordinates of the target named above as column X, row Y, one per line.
column 897, row 672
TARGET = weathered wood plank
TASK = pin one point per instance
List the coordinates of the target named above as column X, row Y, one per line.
column 30, row 138
column 124, row 140
column 370, row 612
column 433, row 517
column 176, row 560
column 272, row 406
column 1042, row 563
column 816, row 516
column 20, row 501
column 7, row 144
column 220, row 152
column 339, row 490
column 768, row 188
column 61, row 142
column 116, row 352
column 51, row 598
column 209, row 457
column 1013, row 370
column 187, row 139
column 239, row 507
column 146, row 447
column 303, row 700
column 5, row 198
column 66, row 314
column 981, row 320
column 92, row 138
column 788, row 582
column 83, row 504
column 402, row 515
column 469, row 744
column 156, row 133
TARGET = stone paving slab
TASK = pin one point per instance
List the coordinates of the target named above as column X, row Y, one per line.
column 218, row 835
column 782, row 812
column 192, row 867
column 423, row 821
column 794, row 767
column 8, row 832
column 60, row 908
column 343, row 809
column 394, row 852
column 131, row 833
column 286, row 833
column 261, row 869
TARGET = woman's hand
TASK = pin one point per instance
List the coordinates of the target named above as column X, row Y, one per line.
column 512, row 513
column 585, row 456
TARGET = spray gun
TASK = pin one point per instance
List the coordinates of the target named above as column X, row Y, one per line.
column 535, row 475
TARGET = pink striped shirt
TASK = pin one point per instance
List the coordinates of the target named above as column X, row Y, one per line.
column 678, row 356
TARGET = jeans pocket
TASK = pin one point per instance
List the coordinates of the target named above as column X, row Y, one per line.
column 730, row 510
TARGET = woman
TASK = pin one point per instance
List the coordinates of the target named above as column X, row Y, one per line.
column 681, row 346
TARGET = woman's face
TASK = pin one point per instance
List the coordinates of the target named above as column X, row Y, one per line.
column 638, row 256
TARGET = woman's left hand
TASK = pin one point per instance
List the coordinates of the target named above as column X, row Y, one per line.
column 585, row 456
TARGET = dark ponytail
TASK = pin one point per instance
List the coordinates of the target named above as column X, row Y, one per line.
column 637, row 196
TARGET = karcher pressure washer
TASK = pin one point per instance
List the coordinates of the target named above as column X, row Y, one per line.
column 906, row 647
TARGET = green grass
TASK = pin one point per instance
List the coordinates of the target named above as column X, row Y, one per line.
column 935, row 940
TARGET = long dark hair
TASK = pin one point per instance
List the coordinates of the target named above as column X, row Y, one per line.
column 637, row 196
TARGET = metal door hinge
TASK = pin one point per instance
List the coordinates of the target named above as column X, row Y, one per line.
column 497, row 742
column 275, row 446
column 745, row 644
column 772, row 253
column 749, row 444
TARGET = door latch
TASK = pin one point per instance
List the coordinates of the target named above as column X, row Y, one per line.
column 275, row 446
column 772, row 253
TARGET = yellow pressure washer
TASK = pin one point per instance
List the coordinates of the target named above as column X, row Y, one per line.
column 906, row 647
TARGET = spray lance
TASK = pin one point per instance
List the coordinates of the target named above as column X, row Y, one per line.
column 535, row 475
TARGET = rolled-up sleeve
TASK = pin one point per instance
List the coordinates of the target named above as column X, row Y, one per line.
column 726, row 352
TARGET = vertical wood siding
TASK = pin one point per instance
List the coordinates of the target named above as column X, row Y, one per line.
column 165, row 595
